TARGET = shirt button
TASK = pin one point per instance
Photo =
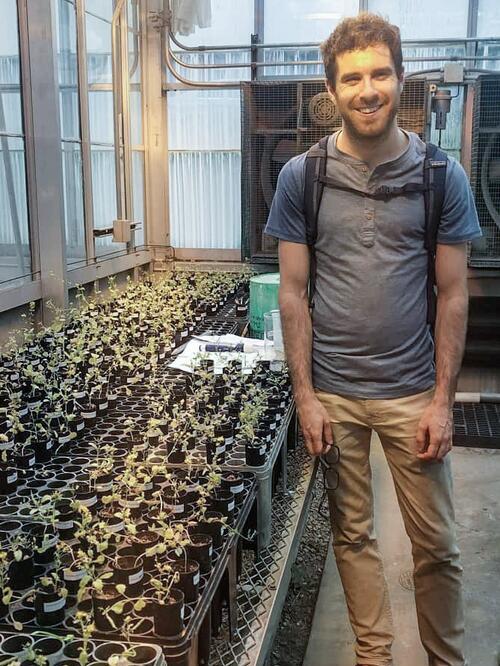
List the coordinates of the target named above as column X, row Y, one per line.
column 364, row 169
column 369, row 214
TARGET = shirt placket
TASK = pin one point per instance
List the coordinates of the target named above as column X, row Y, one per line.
column 368, row 229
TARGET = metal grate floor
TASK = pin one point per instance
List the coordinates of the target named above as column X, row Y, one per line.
column 476, row 424
column 264, row 582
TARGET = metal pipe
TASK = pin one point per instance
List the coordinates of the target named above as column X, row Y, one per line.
column 240, row 47
column 440, row 70
column 173, row 71
column 471, row 396
column 282, row 63
column 117, row 107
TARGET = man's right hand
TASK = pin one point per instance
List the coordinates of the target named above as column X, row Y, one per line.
column 316, row 426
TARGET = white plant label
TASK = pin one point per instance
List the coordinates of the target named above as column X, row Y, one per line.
column 73, row 575
column 12, row 478
column 262, row 450
column 229, row 440
column 31, row 462
column 237, row 489
column 210, row 551
column 89, row 502
column 53, row 606
column 196, row 578
column 230, row 506
column 80, row 426
column 136, row 578
column 104, row 487
column 65, row 525
column 89, row 415
column 116, row 528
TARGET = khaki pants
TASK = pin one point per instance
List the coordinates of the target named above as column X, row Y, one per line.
column 424, row 492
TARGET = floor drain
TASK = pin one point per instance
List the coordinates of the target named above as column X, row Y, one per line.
column 406, row 580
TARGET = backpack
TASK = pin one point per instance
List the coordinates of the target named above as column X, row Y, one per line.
column 433, row 188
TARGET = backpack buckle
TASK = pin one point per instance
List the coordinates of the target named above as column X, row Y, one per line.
column 383, row 192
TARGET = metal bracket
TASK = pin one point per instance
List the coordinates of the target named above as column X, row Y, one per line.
column 158, row 20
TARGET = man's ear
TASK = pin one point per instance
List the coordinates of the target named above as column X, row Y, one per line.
column 330, row 89
column 401, row 80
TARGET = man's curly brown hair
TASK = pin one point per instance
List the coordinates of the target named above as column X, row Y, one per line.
column 360, row 32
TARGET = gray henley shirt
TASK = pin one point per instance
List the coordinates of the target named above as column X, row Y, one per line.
column 370, row 333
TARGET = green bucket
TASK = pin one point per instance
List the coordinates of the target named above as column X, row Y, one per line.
column 263, row 298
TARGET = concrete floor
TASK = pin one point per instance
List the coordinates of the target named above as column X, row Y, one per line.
column 477, row 500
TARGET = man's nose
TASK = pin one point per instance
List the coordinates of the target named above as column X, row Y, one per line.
column 368, row 90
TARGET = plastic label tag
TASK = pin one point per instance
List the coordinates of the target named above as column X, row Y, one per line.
column 237, row 489
column 135, row 578
column 53, row 606
column 230, row 506
column 73, row 575
column 65, row 525
column 80, row 426
column 196, row 578
column 12, row 477
column 89, row 502
column 104, row 487
column 116, row 528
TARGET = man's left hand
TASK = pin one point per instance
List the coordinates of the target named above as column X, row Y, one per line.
column 434, row 432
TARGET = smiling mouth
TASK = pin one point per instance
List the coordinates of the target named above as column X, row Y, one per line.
column 369, row 110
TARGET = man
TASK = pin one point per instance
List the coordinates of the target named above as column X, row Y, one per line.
column 366, row 359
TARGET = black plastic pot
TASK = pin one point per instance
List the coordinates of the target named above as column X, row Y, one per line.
column 102, row 601
column 200, row 549
column 49, row 607
column 25, row 459
column 45, row 541
column 223, row 502
column 129, row 571
column 232, row 482
column 50, row 648
column 22, row 573
column 189, row 579
column 8, row 479
column 255, row 453
column 43, row 449
column 169, row 617
column 213, row 526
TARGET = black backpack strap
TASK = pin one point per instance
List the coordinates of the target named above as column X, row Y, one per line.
column 384, row 192
column 315, row 170
column 435, row 164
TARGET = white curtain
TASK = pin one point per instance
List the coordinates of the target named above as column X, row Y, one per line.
column 205, row 201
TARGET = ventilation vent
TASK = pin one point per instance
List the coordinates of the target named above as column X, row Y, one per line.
column 280, row 120
column 485, row 170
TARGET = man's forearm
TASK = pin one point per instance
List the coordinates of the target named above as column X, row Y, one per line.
column 297, row 336
column 451, row 327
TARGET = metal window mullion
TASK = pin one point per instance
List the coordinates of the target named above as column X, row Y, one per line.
column 117, row 106
column 145, row 120
column 29, row 149
column 125, row 98
column 363, row 6
column 83, row 97
column 47, row 154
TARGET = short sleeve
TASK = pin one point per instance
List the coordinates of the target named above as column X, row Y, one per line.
column 459, row 222
column 286, row 218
